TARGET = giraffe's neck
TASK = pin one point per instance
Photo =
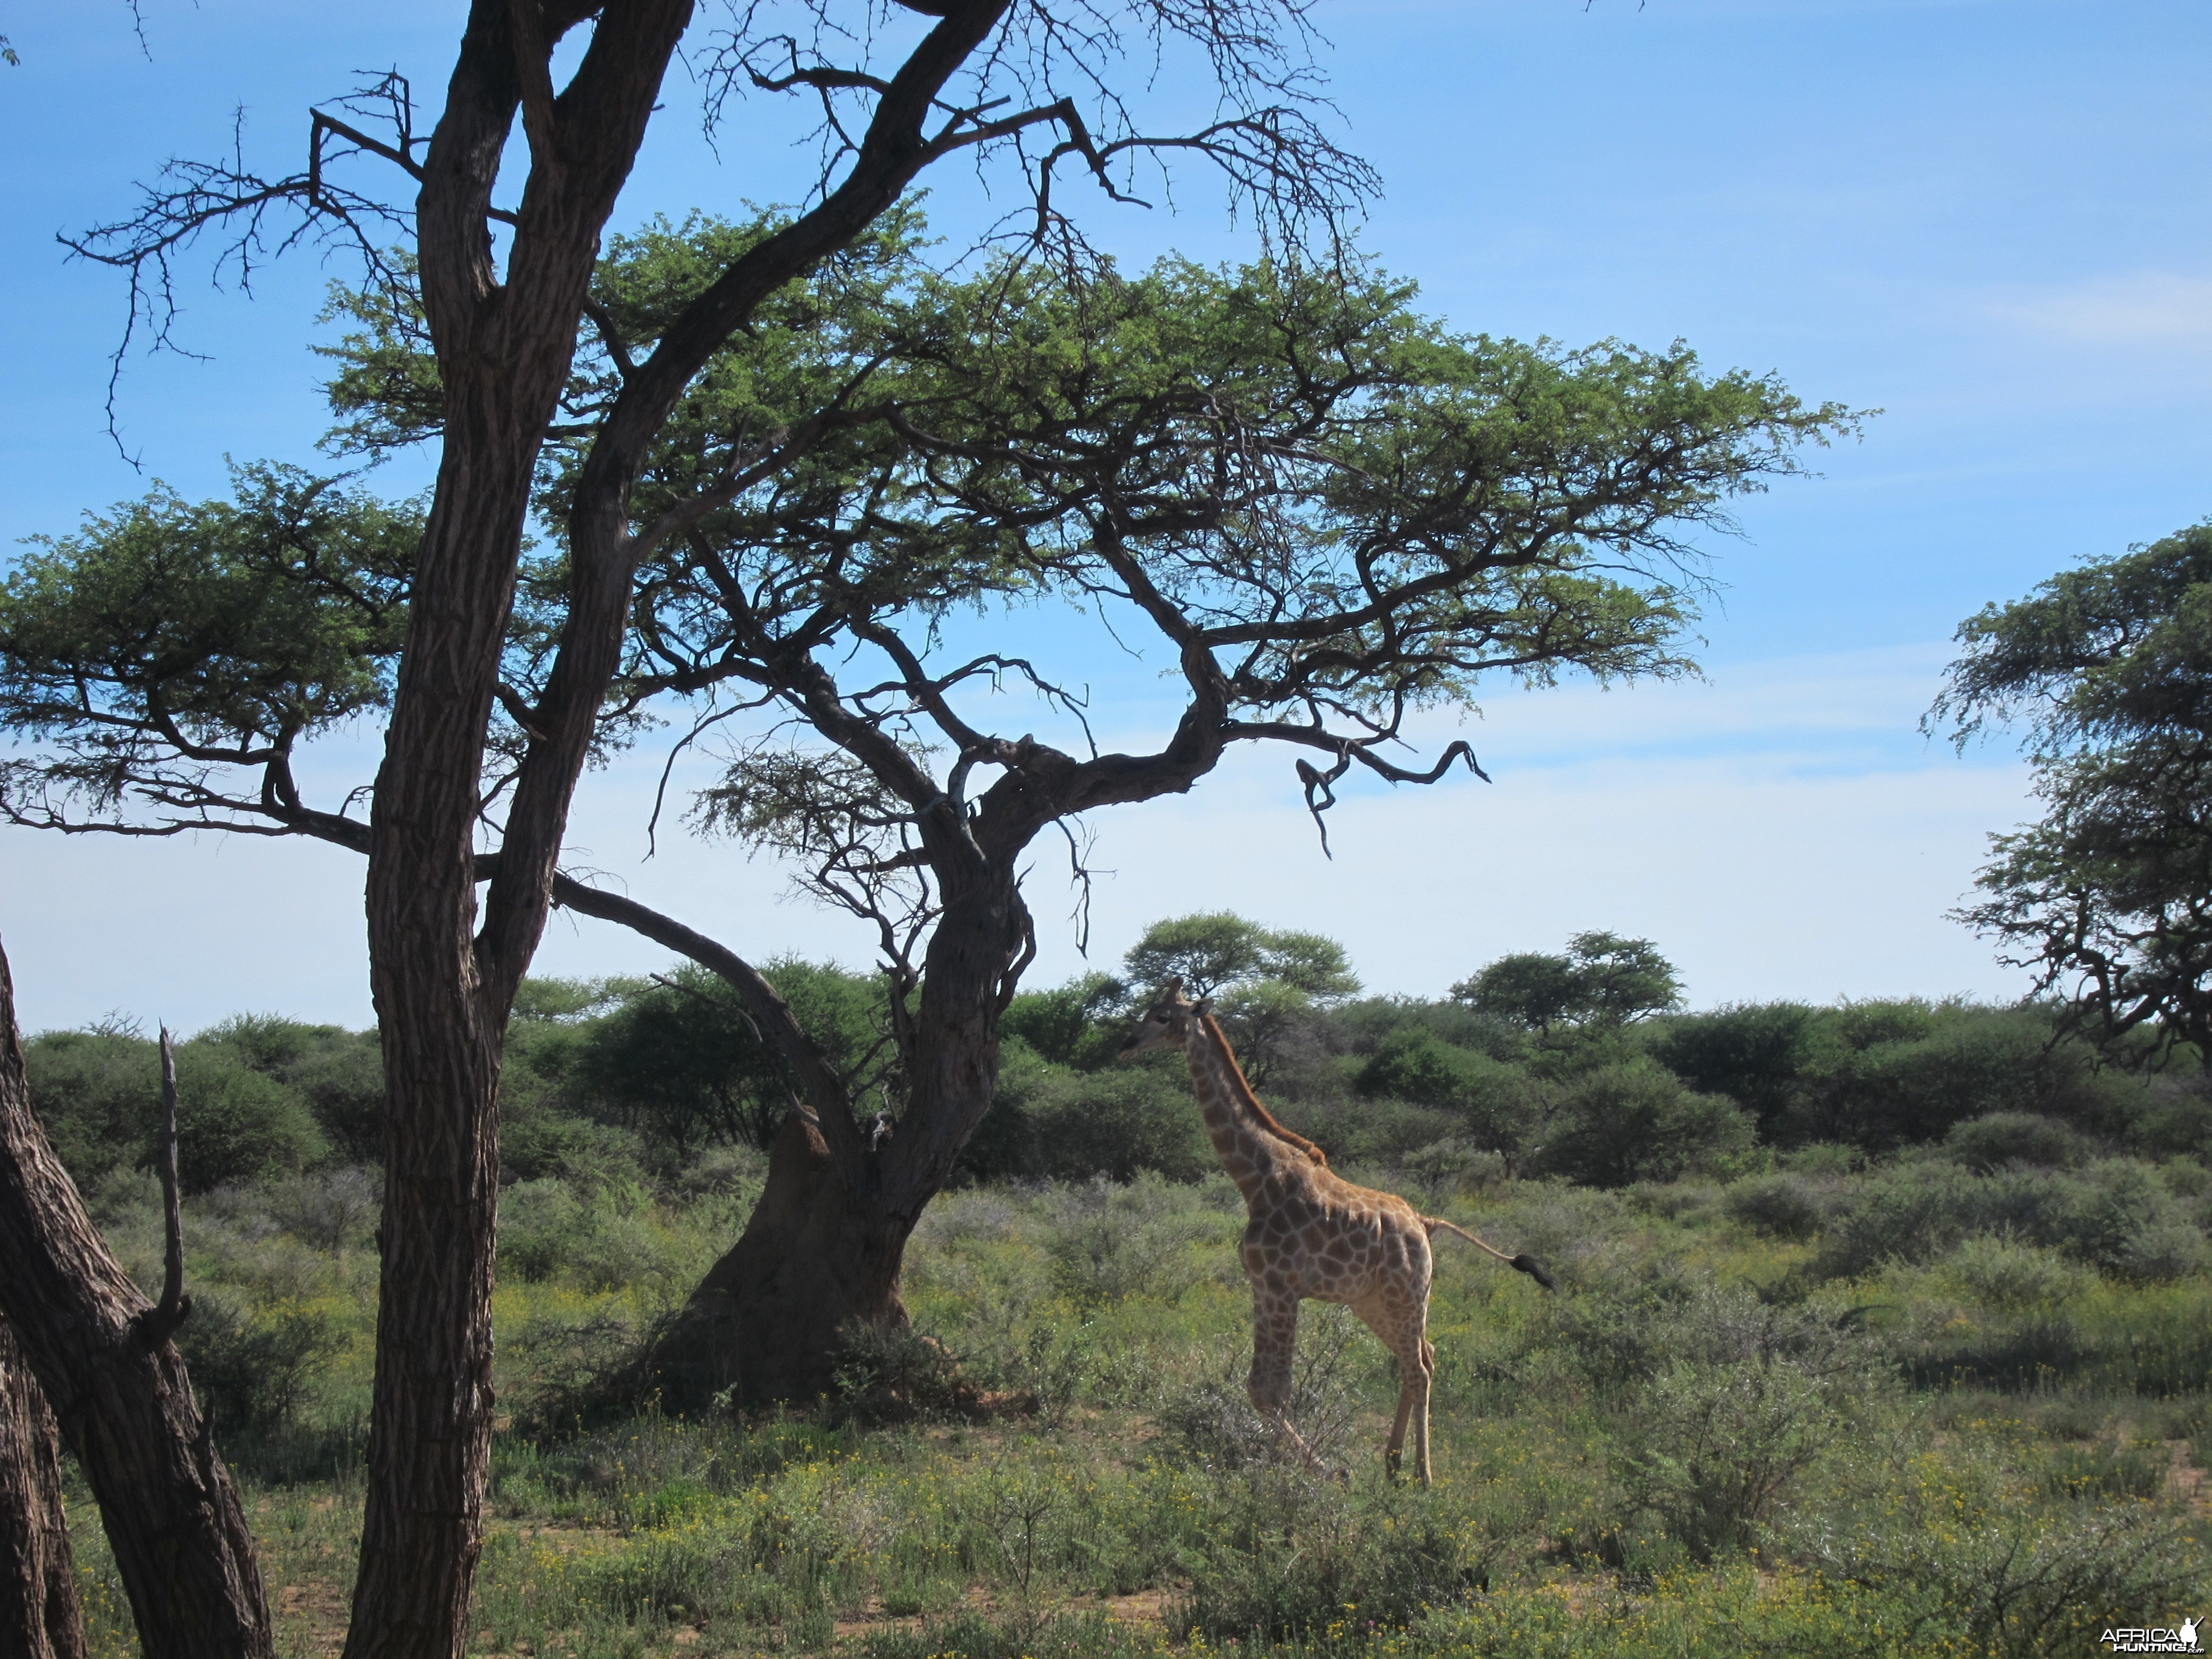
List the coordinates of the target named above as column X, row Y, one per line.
column 1235, row 1120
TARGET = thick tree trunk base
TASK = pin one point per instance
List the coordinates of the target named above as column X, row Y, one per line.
column 39, row 1614
column 765, row 1326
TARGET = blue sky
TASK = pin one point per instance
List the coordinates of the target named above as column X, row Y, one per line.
column 1987, row 219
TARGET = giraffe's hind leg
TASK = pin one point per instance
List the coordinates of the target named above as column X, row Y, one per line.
column 1403, row 1331
column 1275, row 1347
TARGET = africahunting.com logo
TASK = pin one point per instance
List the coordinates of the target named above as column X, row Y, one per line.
column 2155, row 1639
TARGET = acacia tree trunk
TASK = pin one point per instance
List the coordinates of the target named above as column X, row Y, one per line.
column 123, row 1399
column 443, row 988
column 39, row 1614
column 765, row 1324
column 823, row 1249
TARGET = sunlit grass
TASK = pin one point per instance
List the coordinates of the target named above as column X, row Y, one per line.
column 1937, row 1493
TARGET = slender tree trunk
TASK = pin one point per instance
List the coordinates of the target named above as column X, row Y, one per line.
column 443, row 988
column 39, row 1614
column 123, row 1399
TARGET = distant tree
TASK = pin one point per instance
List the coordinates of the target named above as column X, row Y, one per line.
column 1269, row 984
column 1603, row 979
column 1626, row 1123
column 685, row 1060
column 1753, row 1053
column 1212, row 952
column 2108, row 900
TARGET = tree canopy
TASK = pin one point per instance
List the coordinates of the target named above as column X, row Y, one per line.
column 1331, row 513
column 2108, row 899
column 1602, row 980
column 1213, row 951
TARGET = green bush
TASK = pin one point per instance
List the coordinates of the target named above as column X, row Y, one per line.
column 2003, row 1272
column 1622, row 1124
column 1110, row 1242
column 1498, row 1104
column 2120, row 1218
column 1292, row 1558
column 253, row 1369
column 1756, row 1054
column 601, row 1240
column 2116, row 1215
column 1783, row 1205
column 343, row 1084
column 1115, row 1123
column 2001, row 1138
column 1715, row 1448
column 98, row 1095
column 236, row 1124
column 1366, row 1025
column 1914, row 1070
column 2175, row 1119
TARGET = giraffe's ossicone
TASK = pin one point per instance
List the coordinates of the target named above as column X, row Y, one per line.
column 1310, row 1233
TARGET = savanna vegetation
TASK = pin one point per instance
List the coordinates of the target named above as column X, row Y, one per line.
column 1883, row 1327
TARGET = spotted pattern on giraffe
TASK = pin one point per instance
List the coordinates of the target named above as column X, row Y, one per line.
column 1310, row 1235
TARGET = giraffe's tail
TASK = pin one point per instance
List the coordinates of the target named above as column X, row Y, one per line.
column 1527, row 1264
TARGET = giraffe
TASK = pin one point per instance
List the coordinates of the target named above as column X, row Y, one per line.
column 1311, row 1233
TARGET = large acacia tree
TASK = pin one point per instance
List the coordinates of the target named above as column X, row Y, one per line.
column 2107, row 900
column 504, row 287
column 1324, row 515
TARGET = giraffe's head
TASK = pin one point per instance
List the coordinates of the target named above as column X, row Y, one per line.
column 1165, row 1024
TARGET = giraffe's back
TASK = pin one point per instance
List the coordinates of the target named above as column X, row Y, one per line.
column 1334, row 1241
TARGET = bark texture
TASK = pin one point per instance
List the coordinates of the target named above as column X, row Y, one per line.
column 823, row 1246
column 39, row 1614
column 764, row 1324
column 124, row 1404
column 443, row 988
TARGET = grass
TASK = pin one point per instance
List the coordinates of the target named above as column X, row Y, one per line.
column 1699, row 1446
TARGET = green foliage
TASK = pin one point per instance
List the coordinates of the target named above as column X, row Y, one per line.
column 2115, row 1215
column 1114, row 1242
column 1756, row 1054
column 1602, row 980
column 97, row 1094
column 2001, row 1139
column 253, row 1369
column 228, row 630
column 2102, row 899
column 339, row 1075
column 684, row 1061
column 245, row 1099
column 1054, row 1122
column 1500, row 1105
column 236, row 1124
column 1212, row 952
column 1783, row 1205
column 1066, row 1026
column 1623, row 1124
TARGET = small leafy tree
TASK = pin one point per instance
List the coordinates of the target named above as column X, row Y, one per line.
column 1216, row 951
column 2107, row 900
column 1603, row 981
column 1269, row 985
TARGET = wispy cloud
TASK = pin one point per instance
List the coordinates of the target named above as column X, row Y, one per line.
column 2151, row 308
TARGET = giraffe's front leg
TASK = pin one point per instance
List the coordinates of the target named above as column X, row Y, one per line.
column 1275, row 1347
